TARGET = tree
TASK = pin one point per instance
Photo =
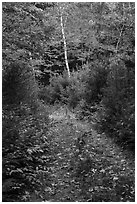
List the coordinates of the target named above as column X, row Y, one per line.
column 61, row 9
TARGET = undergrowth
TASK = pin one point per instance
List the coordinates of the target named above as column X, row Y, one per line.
column 25, row 153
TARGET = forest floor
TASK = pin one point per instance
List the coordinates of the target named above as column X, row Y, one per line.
column 96, row 170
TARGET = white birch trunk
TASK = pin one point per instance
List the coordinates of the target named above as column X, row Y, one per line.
column 65, row 44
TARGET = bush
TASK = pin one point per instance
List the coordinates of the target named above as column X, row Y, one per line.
column 85, row 84
column 25, row 152
column 66, row 90
column 118, row 101
column 109, row 91
column 18, row 84
column 95, row 82
column 24, row 141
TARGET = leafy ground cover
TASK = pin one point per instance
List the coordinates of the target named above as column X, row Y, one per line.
column 25, row 152
column 91, row 168
column 73, row 163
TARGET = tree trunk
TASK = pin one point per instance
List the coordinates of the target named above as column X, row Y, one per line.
column 65, row 45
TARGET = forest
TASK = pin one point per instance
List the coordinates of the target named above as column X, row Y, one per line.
column 68, row 101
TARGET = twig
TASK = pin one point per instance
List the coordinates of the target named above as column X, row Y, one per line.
column 116, row 50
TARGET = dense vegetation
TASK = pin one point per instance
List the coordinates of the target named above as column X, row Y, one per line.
column 79, row 55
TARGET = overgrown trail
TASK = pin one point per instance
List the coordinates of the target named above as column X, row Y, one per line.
column 96, row 171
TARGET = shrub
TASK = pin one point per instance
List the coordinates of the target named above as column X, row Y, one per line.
column 118, row 101
column 18, row 84
column 95, row 81
column 25, row 152
column 66, row 90
column 24, row 141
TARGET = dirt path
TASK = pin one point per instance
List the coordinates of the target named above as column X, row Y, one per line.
column 100, row 172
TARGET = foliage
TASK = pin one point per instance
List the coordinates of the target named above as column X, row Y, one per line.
column 25, row 152
column 111, row 82
column 95, row 82
column 87, row 166
column 25, row 121
column 66, row 90
column 100, row 46
column 118, row 99
column 24, row 140
column 18, row 84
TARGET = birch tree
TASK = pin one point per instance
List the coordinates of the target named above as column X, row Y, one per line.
column 61, row 12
